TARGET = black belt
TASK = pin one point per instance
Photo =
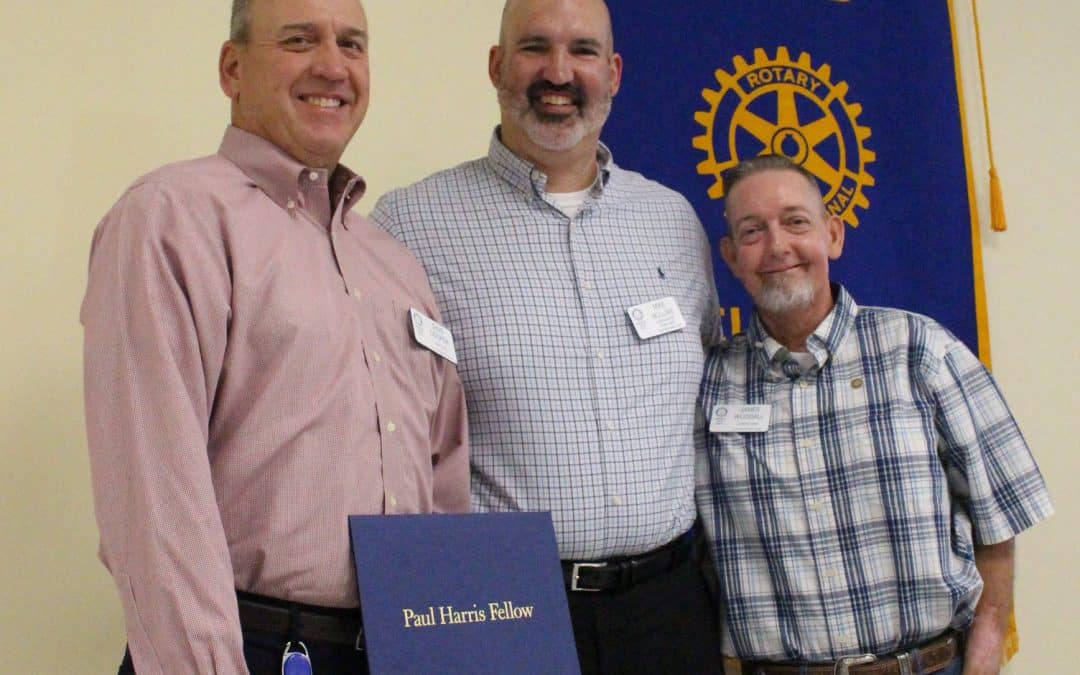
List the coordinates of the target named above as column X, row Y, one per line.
column 621, row 573
column 297, row 621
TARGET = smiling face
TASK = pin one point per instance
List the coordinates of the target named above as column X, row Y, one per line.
column 556, row 73
column 301, row 79
column 779, row 243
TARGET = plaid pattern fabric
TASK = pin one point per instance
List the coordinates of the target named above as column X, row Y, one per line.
column 569, row 411
column 849, row 526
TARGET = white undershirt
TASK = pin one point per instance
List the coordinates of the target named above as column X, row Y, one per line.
column 569, row 202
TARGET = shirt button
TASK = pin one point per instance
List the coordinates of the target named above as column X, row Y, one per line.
column 586, row 285
column 290, row 205
column 610, row 425
column 377, row 357
column 600, row 354
column 357, row 293
column 392, row 500
column 314, row 176
column 804, row 384
column 857, row 383
column 806, row 444
column 391, row 427
column 616, row 501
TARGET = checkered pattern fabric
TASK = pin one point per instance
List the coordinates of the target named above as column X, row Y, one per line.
column 849, row 526
column 569, row 411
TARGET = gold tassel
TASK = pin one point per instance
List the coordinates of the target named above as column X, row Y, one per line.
column 1012, row 640
column 997, row 204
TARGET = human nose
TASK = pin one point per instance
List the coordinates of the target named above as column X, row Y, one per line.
column 329, row 63
column 557, row 67
column 776, row 241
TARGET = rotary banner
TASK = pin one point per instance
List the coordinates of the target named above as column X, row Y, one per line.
column 863, row 93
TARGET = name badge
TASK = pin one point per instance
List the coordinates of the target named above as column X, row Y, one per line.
column 658, row 317
column 740, row 418
column 433, row 335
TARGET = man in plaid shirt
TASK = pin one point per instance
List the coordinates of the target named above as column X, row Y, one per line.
column 863, row 480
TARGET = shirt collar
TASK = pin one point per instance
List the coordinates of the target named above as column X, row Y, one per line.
column 823, row 342
column 530, row 180
column 280, row 176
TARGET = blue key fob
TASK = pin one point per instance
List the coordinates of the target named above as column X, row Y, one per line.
column 295, row 663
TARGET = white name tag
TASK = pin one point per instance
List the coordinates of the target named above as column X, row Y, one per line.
column 740, row 418
column 658, row 317
column 433, row 335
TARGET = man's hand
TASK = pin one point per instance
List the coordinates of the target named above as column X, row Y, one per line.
column 987, row 636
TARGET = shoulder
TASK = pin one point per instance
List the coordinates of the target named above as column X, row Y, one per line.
column 439, row 187
column 915, row 339
column 911, row 329
column 634, row 188
column 172, row 198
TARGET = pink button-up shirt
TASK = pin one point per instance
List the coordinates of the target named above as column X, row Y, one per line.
column 251, row 380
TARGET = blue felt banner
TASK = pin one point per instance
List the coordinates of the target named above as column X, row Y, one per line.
column 863, row 93
column 462, row 594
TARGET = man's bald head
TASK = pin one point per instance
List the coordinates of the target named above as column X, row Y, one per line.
column 513, row 7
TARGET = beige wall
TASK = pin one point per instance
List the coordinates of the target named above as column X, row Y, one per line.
column 95, row 93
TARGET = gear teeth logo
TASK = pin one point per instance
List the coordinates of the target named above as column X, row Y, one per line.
column 786, row 107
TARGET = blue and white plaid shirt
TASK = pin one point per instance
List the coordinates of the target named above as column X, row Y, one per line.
column 569, row 411
column 849, row 526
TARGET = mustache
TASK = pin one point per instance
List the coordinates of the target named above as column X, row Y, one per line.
column 547, row 87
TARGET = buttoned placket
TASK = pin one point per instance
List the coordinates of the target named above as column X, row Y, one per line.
column 802, row 395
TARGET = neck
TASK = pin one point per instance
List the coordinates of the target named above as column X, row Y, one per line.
column 566, row 170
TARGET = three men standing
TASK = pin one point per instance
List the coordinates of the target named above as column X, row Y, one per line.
column 542, row 255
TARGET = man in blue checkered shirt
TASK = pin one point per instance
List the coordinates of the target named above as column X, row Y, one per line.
column 863, row 479
column 581, row 300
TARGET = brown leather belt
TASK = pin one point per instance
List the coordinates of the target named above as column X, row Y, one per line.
column 297, row 621
column 621, row 573
column 934, row 656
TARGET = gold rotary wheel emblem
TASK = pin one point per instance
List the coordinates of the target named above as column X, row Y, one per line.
column 786, row 107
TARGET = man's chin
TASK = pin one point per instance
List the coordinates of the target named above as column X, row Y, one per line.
column 781, row 299
column 555, row 137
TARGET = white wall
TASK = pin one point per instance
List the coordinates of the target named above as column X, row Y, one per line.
column 95, row 93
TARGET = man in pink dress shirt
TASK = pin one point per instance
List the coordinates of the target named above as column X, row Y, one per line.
column 250, row 375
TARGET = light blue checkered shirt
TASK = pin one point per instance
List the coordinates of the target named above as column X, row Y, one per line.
column 849, row 526
column 569, row 411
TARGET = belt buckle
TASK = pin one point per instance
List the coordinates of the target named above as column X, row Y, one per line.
column 844, row 664
column 574, row 576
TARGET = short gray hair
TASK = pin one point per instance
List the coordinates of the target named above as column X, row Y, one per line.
column 240, row 22
column 748, row 167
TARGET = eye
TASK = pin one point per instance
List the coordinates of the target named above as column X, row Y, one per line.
column 297, row 42
column 799, row 223
column 749, row 234
column 352, row 45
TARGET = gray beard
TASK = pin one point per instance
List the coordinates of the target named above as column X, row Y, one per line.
column 779, row 298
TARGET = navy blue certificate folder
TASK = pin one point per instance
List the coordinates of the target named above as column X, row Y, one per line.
column 468, row 593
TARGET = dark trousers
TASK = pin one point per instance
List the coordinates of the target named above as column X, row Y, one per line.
column 263, row 651
column 666, row 625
